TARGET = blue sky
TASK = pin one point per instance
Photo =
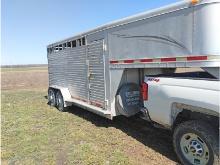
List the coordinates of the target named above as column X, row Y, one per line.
column 28, row 26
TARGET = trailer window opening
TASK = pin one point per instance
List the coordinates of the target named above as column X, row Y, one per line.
column 74, row 44
column 79, row 42
column 60, row 47
column 56, row 49
column 50, row 50
column 83, row 41
column 64, row 46
column 68, row 44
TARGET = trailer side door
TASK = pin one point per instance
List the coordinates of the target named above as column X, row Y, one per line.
column 96, row 73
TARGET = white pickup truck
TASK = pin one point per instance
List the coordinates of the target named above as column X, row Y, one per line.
column 189, row 106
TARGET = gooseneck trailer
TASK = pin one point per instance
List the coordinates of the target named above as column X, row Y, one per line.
column 102, row 70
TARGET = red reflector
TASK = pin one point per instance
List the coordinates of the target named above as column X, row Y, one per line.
column 144, row 91
column 194, row 58
column 146, row 60
column 113, row 62
column 167, row 59
column 128, row 61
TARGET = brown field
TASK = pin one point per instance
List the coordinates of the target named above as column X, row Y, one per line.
column 34, row 133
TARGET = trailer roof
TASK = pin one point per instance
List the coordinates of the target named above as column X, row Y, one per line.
column 141, row 16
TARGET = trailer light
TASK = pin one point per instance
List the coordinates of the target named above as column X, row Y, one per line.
column 144, row 91
column 193, row 2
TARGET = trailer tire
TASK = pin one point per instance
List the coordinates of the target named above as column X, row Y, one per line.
column 51, row 97
column 60, row 102
column 196, row 142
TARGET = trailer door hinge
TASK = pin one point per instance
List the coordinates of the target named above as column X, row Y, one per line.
column 104, row 47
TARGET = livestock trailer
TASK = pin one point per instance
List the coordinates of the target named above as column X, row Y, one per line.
column 101, row 70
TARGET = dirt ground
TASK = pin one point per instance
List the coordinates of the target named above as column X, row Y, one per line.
column 12, row 79
column 37, row 134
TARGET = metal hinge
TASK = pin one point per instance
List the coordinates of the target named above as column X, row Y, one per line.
column 104, row 47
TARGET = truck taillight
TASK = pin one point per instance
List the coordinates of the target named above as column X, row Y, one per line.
column 144, row 91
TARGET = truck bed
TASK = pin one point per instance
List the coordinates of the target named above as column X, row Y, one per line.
column 195, row 75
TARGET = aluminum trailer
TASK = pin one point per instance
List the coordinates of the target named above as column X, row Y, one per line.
column 101, row 69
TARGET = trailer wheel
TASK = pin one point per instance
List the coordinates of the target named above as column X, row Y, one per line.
column 60, row 102
column 51, row 97
column 196, row 142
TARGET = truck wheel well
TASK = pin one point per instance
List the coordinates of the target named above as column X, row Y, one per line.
column 186, row 115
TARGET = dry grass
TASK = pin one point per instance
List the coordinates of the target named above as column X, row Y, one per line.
column 24, row 78
column 34, row 133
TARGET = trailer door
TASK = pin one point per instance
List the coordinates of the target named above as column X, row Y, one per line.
column 96, row 73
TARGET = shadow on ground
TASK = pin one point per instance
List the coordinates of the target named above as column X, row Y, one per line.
column 158, row 139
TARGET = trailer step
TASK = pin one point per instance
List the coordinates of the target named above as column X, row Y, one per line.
column 89, row 107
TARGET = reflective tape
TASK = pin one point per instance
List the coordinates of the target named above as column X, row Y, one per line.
column 169, row 59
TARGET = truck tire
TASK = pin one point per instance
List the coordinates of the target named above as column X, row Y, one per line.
column 60, row 102
column 196, row 142
column 51, row 97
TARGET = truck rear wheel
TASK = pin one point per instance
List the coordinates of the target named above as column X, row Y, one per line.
column 51, row 97
column 196, row 142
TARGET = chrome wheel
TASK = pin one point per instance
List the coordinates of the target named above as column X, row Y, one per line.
column 194, row 149
column 51, row 97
